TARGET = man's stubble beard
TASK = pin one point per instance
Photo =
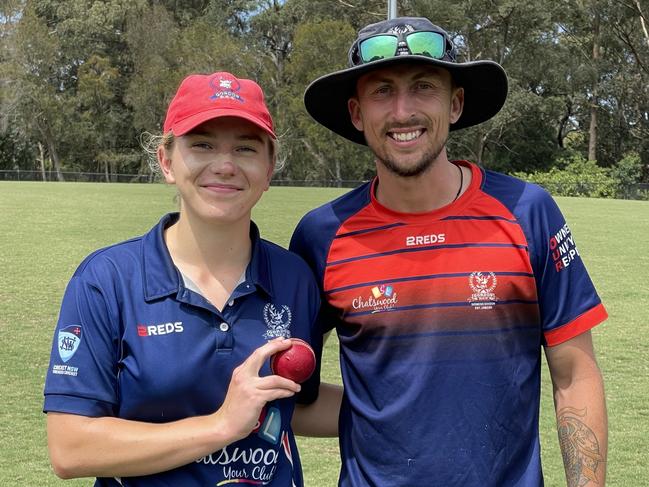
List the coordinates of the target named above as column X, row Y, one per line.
column 424, row 164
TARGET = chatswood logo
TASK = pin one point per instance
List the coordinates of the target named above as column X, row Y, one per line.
column 382, row 298
column 256, row 466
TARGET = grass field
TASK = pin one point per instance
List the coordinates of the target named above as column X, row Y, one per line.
column 47, row 228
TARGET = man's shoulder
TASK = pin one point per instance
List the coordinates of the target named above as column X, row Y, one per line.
column 513, row 192
column 317, row 229
column 337, row 210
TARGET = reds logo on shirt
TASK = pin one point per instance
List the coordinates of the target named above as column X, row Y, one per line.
column 425, row 239
column 157, row 330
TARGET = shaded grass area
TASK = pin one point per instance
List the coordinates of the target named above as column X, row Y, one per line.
column 48, row 228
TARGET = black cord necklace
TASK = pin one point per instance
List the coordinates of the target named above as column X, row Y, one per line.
column 459, row 190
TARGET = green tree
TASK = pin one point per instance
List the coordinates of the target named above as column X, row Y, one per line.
column 100, row 124
column 510, row 32
column 81, row 79
column 34, row 101
column 627, row 173
column 164, row 53
column 578, row 177
column 316, row 153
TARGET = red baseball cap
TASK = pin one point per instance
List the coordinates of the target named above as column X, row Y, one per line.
column 203, row 97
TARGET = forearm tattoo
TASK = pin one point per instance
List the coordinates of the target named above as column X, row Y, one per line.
column 579, row 448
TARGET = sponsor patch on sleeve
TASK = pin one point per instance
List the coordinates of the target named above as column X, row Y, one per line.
column 68, row 341
column 563, row 248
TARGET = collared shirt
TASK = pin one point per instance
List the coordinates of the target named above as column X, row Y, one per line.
column 441, row 317
column 133, row 342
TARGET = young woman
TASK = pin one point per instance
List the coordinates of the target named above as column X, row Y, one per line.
column 159, row 372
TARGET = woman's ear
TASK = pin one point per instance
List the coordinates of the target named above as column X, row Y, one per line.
column 164, row 161
column 271, row 171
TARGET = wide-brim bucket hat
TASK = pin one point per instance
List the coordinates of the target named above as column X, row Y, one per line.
column 484, row 81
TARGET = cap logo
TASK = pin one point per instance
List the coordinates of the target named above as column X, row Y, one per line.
column 227, row 88
column 401, row 29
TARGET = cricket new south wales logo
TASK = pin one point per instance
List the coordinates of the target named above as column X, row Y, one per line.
column 69, row 339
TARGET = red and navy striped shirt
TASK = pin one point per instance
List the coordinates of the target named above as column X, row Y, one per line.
column 441, row 317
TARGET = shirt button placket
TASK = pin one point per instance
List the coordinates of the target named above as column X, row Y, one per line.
column 225, row 334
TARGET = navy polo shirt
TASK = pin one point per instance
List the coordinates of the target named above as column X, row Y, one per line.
column 133, row 342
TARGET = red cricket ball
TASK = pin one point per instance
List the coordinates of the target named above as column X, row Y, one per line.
column 296, row 363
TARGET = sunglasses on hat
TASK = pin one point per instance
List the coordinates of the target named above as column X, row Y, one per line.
column 422, row 43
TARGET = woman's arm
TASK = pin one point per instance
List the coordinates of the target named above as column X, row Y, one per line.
column 81, row 446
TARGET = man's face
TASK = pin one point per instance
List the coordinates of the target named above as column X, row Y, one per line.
column 404, row 112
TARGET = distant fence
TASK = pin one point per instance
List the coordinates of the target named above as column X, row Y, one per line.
column 638, row 191
column 318, row 183
column 100, row 177
column 76, row 177
column 632, row 192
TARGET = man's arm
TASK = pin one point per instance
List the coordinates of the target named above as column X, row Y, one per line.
column 319, row 418
column 581, row 410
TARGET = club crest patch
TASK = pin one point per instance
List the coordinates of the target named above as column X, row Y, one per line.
column 278, row 321
column 483, row 285
column 69, row 339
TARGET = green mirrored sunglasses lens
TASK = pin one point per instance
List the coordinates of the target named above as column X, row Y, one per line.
column 378, row 47
column 429, row 44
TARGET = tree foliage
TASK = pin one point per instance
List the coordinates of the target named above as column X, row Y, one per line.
column 82, row 79
column 578, row 177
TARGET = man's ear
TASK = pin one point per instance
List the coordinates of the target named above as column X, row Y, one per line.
column 355, row 113
column 164, row 161
column 457, row 104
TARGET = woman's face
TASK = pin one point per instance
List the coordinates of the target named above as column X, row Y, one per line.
column 221, row 168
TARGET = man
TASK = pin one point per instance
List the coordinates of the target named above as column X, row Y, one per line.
column 444, row 280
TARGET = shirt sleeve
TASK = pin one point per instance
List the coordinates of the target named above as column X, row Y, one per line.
column 309, row 391
column 568, row 301
column 312, row 247
column 82, row 374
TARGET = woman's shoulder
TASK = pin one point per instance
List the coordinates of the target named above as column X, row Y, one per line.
column 116, row 258
column 281, row 258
